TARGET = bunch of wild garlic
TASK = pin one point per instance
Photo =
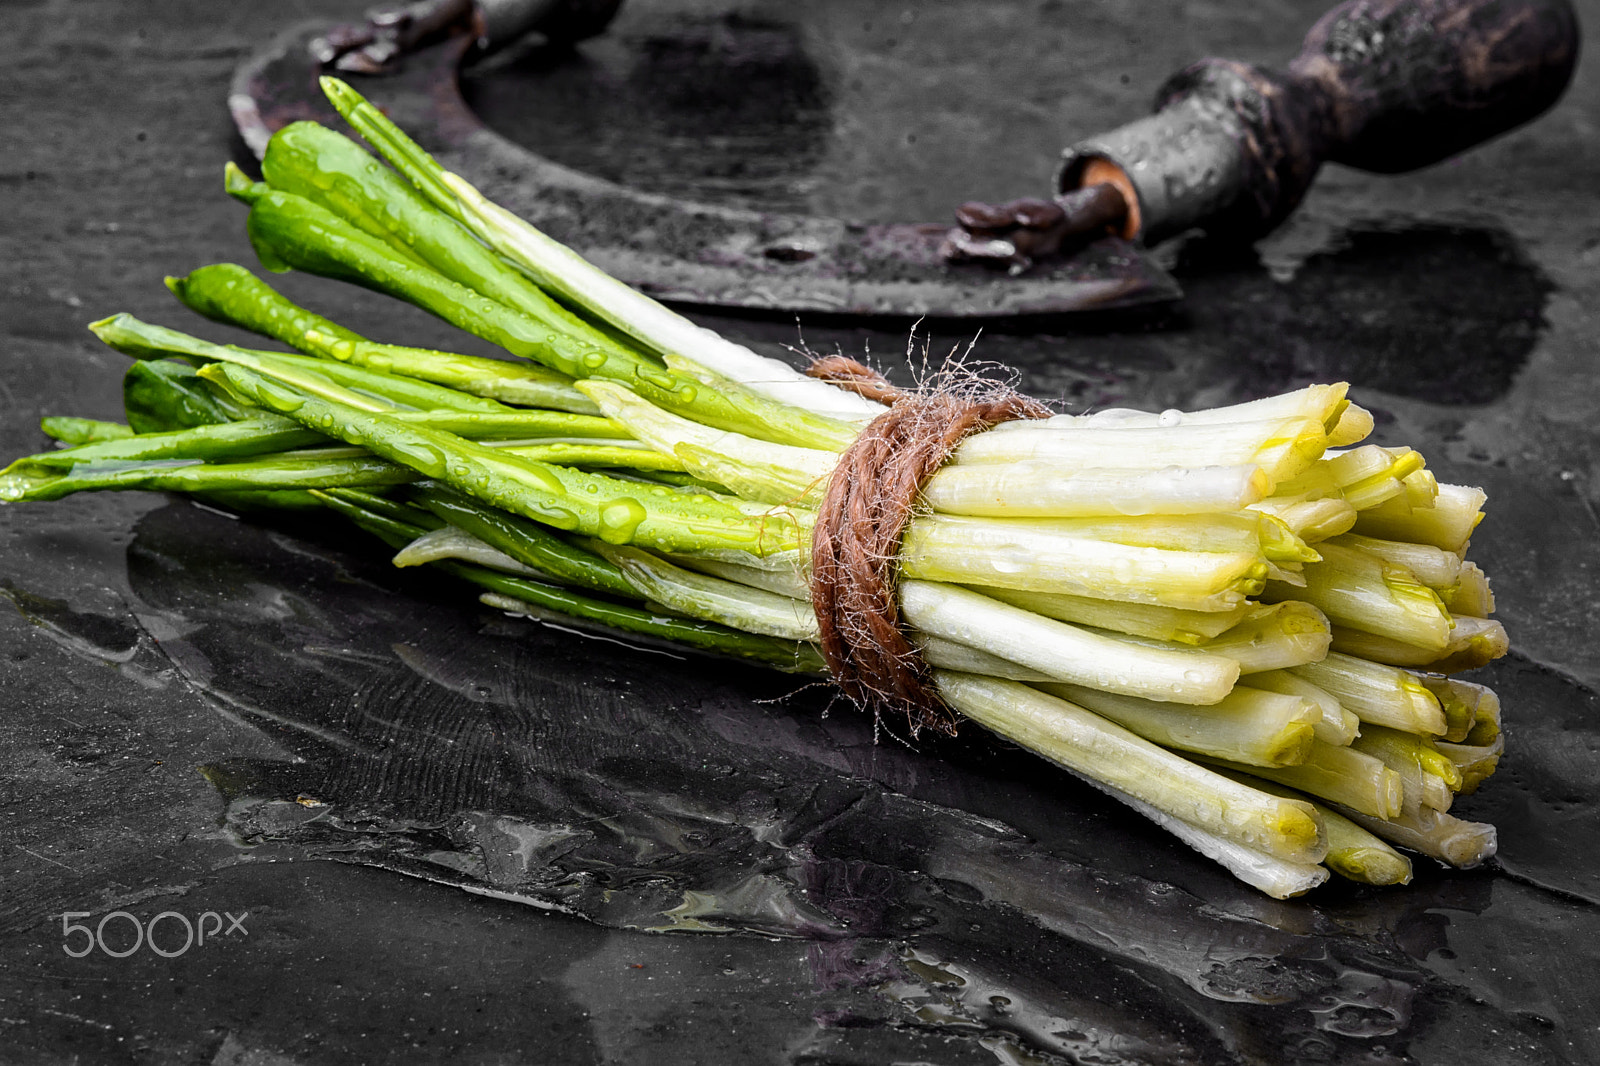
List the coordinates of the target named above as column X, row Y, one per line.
column 1238, row 621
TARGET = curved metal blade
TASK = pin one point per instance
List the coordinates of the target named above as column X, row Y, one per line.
column 685, row 252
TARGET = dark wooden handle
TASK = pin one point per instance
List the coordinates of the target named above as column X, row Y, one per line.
column 1399, row 84
column 1385, row 85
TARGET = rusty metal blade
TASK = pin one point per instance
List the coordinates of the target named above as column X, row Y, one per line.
column 686, row 252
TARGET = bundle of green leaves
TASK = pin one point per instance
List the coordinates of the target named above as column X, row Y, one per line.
column 1239, row 621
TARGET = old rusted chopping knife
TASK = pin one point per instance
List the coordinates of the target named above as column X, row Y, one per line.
column 687, row 252
column 1382, row 85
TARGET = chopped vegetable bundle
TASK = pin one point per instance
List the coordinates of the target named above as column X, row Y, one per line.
column 1238, row 621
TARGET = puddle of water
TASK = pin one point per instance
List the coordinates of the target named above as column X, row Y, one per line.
column 1445, row 314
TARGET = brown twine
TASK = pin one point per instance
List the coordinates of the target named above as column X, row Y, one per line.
column 869, row 501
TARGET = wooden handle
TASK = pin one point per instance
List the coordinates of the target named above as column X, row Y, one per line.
column 1405, row 83
column 1384, row 85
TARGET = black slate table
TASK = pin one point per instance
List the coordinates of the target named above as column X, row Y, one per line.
column 425, row 831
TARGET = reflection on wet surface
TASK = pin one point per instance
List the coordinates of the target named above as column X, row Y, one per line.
column 1446, row 314
column 991, row 900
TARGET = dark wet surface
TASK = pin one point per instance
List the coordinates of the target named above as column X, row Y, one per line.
column 730, row 109
column 684, row 860
column 1442, row 313
column 941, row 890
